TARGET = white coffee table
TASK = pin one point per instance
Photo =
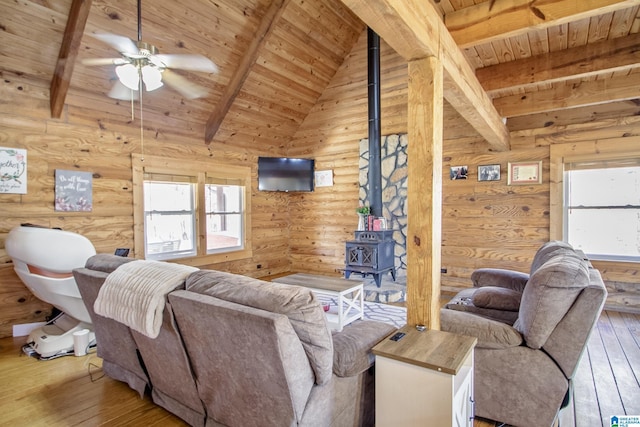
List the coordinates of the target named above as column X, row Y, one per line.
column 350, row 294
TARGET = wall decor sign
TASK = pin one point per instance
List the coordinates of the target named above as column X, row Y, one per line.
column 521, row 173
column 73, row 191
column 489, row 173
column 13, row 170
column 324, row 178
column 458, row 172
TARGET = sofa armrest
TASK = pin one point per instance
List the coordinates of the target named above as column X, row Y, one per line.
column 491, row 334
column 106, row 262
column 509, row 279
column 352, row 346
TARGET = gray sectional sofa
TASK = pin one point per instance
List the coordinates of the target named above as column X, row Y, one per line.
column 237, row 351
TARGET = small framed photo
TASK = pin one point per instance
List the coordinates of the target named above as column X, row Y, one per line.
column 458, row 172
column 489, row 173
column 522, row 173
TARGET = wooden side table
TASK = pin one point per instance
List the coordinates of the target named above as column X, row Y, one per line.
column 425, row 379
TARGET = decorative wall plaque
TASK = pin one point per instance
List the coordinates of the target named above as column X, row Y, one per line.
column 13, row 170
column 73, row 191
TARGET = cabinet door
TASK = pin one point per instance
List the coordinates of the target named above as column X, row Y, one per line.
column 462, row 406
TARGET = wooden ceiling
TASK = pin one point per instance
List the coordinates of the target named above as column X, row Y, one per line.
column 540, row 56
column 533, row 58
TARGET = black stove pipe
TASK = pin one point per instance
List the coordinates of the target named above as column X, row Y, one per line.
column 375, row 162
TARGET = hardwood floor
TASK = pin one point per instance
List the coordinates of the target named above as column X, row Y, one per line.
column 71, row 391
column 608, row 378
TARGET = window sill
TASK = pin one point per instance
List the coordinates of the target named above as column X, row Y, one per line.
column 615, row 265
column 623, row 260
column 204, row 260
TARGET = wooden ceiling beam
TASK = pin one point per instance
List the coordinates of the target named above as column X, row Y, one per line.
column 570, row 96
column 414, row 29
column 78, row 15
column 232, row 90
column 493, row 20
column 617, row 54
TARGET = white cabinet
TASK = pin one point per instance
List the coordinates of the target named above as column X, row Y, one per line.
column 425, row 379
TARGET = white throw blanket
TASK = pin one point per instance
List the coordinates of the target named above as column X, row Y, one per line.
column 134, row 294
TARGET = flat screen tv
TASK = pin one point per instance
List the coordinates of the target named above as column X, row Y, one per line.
column 285, row 174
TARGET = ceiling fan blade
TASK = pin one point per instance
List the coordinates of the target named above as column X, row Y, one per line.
column 120, row 91
column 185, row 62
column 120, row 43
column 103, row 61
column 183, row 86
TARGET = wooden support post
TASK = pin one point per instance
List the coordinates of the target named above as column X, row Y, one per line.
column 424, row 187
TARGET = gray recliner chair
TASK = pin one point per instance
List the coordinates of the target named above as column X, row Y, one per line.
column 523, row 369
column 496, row 292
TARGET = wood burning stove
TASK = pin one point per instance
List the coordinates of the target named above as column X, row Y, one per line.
column 372, row 252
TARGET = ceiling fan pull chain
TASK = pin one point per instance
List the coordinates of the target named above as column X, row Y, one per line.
column 133, row 111
column 141, row 122
column 139, row 20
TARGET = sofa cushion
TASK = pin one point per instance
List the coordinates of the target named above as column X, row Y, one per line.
column 497, row 298
column 352, row 346
column 550, row 292
column 299, row 304
column 499, row 277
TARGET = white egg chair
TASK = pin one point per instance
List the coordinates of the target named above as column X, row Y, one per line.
column 44, row 259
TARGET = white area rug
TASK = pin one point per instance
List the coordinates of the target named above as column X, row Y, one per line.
column 391, row 314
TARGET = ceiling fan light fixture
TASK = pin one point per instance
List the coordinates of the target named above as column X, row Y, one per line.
column 141, row 62
column 128, row 76
column 152, row 77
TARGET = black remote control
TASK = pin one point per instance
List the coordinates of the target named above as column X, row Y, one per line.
column 397, row 336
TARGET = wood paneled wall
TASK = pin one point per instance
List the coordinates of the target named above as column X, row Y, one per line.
column 99, row 137
column 485, row 224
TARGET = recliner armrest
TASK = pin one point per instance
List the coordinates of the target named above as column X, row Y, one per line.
column 352, row 346
column 499, row 277
column 491, row 334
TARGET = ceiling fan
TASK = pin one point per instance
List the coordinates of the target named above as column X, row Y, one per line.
column 140, row 62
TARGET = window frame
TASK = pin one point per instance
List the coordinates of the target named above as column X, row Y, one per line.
column 596, row 151
column 177, row 254
column 200, row 171
column 224, row 213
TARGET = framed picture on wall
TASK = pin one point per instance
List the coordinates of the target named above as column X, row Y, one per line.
column 522, row 173
column 458, row 172
column 13, row 170
column 489, row 173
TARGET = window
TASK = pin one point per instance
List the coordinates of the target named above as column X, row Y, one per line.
column 602, row 208
column 200, row 211
column 225, row 222
column 169, row 217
